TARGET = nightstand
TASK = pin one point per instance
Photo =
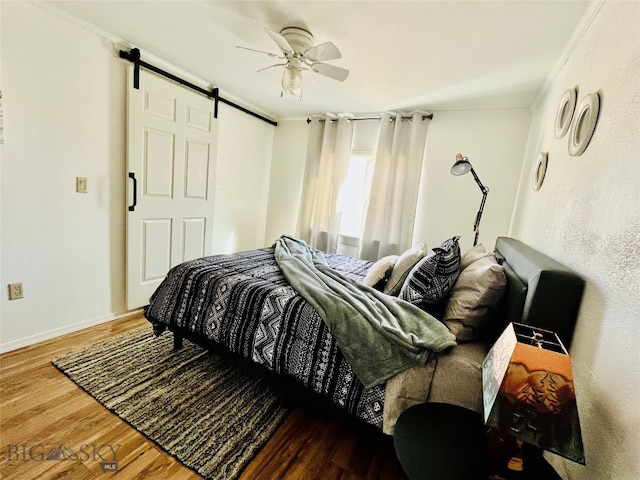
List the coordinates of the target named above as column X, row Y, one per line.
column 439, row 441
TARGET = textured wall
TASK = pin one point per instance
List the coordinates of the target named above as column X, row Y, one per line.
column 587, row 215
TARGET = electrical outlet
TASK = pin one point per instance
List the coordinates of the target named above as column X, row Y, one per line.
column 15, row 291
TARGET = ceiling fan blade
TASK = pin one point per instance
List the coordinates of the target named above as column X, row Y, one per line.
column 331, row 71
column 261, row 51
column 271, row 66
column 280, row 41
column 324, row 51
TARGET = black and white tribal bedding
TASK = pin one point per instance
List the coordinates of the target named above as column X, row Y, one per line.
column 243, row 302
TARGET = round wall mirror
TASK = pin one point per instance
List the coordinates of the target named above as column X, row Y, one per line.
column 564, row 115
column 540, row 170
column 584, row 124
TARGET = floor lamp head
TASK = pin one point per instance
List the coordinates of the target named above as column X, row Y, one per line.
column 461, row 166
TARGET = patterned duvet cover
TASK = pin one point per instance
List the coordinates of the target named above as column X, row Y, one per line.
column 243, row 302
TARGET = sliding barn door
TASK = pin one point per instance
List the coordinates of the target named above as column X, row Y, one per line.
column 171, row 153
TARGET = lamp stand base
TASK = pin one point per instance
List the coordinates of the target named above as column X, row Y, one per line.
column 507, row 458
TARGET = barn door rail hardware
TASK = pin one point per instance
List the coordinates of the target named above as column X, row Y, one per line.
column 134, row 57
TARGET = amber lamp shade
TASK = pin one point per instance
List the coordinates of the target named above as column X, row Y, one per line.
column 528, row 391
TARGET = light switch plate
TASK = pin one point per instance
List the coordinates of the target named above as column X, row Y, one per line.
column 81, row 185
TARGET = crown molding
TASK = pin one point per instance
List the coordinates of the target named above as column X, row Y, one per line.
column 579, row 32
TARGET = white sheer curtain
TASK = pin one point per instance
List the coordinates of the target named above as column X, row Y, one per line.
column 391, row 208
column 328, row 153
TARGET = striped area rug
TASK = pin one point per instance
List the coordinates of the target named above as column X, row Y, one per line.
column 205, row 410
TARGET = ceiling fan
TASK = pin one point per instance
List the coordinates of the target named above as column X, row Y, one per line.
column 296, row 45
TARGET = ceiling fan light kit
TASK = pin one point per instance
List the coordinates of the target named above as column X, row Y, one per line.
column 296, row 46
column 292, row 78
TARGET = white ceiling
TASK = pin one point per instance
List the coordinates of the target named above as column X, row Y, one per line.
column 434, row 55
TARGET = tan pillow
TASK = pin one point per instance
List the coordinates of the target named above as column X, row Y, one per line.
column 476, row 253
column 478, row 287
column 380, row 271
column 403, row 266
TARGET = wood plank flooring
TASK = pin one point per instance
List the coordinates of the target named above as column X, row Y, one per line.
column 40, row 409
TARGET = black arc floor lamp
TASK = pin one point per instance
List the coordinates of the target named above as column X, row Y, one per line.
column 461, row 167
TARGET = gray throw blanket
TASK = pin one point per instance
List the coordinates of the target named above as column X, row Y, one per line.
column 378, row 334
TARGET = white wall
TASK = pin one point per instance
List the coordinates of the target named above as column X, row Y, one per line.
column 242, row 184
column 64, row 116
column 587, row 215
column 287, row 169
column 494, row 141
column 64, row 104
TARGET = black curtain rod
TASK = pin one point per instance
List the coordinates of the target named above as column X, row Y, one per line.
column 134, row 57
column 424, row 117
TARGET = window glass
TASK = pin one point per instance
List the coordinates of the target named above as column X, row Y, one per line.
column 353, row 193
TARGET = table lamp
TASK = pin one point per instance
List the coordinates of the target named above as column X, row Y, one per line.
column 528, row 391
column 460, row 167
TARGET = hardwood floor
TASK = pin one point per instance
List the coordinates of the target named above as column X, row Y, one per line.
column 40, row 409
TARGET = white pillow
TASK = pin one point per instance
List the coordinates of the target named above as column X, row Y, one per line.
column 380, row 271
column 403, row 266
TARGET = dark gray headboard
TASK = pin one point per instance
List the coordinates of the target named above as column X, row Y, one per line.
column 540, row 291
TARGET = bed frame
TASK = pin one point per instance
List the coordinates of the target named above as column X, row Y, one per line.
column 539, row 292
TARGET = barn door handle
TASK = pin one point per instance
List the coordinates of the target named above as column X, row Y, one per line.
column 132, row 176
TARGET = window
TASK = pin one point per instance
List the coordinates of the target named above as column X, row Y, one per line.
column 354, row 192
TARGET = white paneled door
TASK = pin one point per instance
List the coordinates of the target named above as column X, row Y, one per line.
column 171, row 155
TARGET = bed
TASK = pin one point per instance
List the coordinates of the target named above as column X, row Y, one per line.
column 244, row 304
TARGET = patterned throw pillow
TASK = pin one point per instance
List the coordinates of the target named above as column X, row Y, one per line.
column 434, row 275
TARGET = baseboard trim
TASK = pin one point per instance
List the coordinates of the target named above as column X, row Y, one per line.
column 57, row 332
